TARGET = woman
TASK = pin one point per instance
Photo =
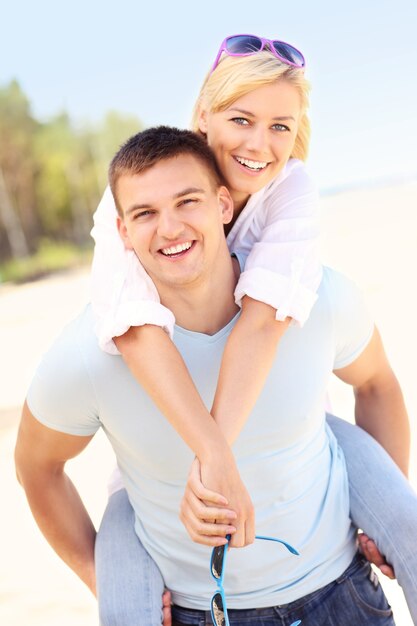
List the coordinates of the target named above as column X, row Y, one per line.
column 252, row 110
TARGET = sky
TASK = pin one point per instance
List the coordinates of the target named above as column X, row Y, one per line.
column 149, row 59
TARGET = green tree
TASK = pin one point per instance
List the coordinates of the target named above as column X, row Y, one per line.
column 52, row 174
column 19, row 223
column 115, row 129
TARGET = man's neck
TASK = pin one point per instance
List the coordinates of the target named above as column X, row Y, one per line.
column 206, row 306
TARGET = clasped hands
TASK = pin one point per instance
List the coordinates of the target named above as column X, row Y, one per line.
column 216, row 503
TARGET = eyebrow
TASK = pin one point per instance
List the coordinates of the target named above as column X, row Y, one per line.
column 179, row 194
column 187, row 191
column 281, row 118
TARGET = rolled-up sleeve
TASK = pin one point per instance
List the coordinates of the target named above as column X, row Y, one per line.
column 122, row 293
column 283, row 267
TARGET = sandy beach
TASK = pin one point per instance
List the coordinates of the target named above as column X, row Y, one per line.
column 371, row 235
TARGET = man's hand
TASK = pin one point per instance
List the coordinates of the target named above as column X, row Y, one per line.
column 369, row 550
column 209, row 516
column 166, row 609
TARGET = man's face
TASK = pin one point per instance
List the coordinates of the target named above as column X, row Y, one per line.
column 173, row 217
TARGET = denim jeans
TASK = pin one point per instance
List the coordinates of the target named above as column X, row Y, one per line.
column 355, row 598
column 130, row 584
column 382, row 503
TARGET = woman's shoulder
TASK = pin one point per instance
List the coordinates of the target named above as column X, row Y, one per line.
column 292, row 183
column 293, row 169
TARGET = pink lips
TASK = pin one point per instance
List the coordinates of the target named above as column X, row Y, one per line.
column 249, row 171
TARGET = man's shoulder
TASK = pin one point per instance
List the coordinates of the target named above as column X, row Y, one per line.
column 62, row 393
column 340, row 299
column 333, row 278
column 78, row 334
column 75, row 347
column 352, row 322
column 336, row 285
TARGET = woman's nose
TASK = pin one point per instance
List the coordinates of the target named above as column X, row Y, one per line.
column 257, row 140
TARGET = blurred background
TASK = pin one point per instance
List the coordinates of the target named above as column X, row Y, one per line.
column 76, row 80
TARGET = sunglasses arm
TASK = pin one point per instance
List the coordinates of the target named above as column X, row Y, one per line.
column 284, row 543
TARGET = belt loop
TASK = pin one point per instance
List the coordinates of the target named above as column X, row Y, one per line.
column 208, row 621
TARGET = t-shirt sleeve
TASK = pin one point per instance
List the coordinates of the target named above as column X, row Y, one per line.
column 353, row 323
column 122, row 293
column 61, row 395
column 283, row 268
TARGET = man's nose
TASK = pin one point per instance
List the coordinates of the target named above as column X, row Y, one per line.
column 169, row 225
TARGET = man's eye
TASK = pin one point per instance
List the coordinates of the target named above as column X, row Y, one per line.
column 188, row 201
column 141, row 214
column 242, row 121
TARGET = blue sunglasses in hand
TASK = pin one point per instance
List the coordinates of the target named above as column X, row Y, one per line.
column 217, row 569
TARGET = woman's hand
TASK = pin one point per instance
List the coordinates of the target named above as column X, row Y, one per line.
column 209, row 514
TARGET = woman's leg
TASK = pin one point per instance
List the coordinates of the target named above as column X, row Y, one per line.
column 382, row 503
column 129, row 584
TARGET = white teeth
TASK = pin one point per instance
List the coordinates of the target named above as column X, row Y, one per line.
column 253, row 165
column 176, row 249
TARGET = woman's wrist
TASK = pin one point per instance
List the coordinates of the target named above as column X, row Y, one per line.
column 214, row 448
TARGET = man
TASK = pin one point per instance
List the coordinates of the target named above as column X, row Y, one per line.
column 170, row 196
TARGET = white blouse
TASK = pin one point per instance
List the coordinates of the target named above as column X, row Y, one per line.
column 278, row 232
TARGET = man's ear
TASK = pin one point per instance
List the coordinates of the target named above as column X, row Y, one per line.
column 202, row 121
column 226, row 204
column 121, row 227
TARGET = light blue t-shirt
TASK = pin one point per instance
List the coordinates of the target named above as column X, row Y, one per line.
column 287, row 456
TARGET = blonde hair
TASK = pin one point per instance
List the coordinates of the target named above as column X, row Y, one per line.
column 234, row 77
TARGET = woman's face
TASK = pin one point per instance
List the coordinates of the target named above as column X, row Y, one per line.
column 253, row 138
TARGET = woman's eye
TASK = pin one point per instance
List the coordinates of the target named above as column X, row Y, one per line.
column 281, row 127
column 242, row 121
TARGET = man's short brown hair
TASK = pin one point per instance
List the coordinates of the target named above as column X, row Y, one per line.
column 156, row 144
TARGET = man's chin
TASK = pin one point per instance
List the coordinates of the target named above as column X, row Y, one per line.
column 175, row 280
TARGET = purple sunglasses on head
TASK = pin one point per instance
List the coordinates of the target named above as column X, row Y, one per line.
column 246, row 45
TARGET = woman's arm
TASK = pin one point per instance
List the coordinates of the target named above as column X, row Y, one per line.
column 157, row 365
column 278, row 284
column 247, row 360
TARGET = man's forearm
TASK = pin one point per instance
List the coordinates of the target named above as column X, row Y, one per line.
column 381, row 411
column 63, row 520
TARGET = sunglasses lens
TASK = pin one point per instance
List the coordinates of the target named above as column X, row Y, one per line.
column 217, row 560
column 289, row 53
column 243, row 44
column 217, row 610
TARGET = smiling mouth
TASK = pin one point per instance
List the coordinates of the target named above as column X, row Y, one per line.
column 253, row 166
column 178, row 250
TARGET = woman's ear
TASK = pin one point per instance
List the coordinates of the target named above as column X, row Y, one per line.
column 121, row 227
